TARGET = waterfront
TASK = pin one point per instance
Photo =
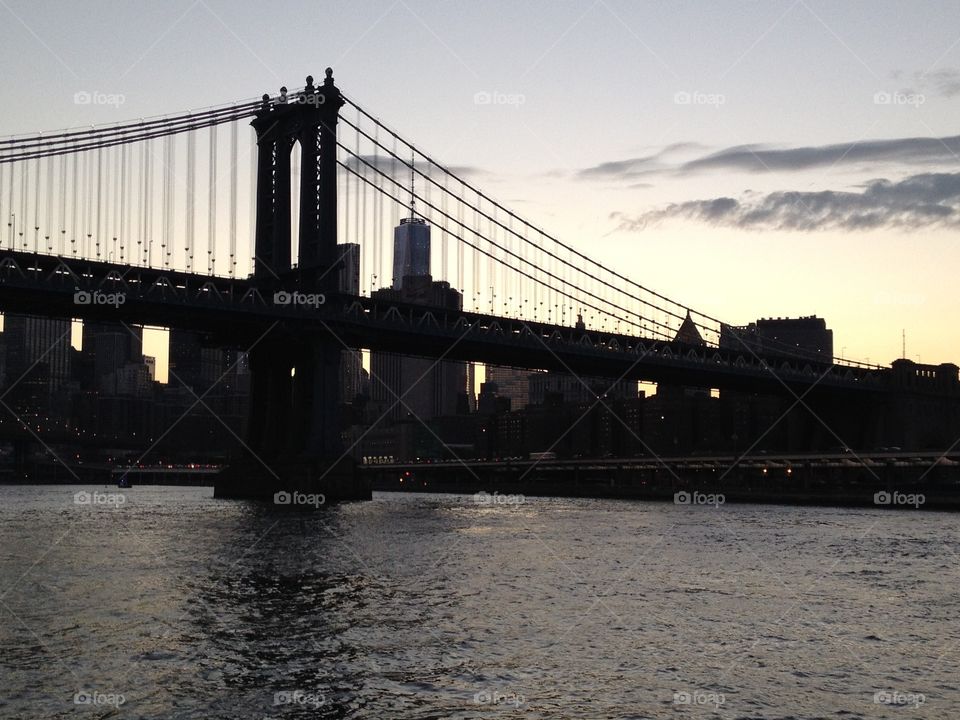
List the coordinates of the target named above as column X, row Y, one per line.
column 440, row 606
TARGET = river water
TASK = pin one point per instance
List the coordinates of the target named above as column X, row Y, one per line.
column 166, row 603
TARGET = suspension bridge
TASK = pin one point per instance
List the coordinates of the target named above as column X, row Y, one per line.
column 233, row 220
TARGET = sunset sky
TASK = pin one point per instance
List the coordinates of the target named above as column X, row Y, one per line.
column 750, row 159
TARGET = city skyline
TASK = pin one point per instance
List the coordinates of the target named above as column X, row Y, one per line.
column 434, row 358
column 814, row 148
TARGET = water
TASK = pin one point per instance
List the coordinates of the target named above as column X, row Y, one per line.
column 428, row 606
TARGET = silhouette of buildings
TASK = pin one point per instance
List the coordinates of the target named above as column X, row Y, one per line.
column 428, row 388
column 510, row 383
column 411, row 250
column 38, row 348
column 804, row 336
column 571, row 389
column 402, row 386
column 112, row 353
column 689, row 333
column 352, row 374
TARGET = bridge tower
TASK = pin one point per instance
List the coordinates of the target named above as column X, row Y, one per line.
column 293, row 438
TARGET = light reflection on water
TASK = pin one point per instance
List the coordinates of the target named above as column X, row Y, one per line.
column 428, row 606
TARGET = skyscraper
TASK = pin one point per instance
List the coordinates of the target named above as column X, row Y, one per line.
column 351, row 363
column 411, row 250
column 37, row 346
column 806, row 337
column 108, row 347
column 350, row 272
column 511, row 383
column 428, row 388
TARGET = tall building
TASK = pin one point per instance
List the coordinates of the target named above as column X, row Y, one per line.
column 38, row 348
column 151, row 363
column 109, row 347
column 511, row 383
column 428, row 388
column 350, row 272
column 37, row 367
column 411, row 250
column 807, row 337
column 351, row 361
column 188, row 363
column 471, row 387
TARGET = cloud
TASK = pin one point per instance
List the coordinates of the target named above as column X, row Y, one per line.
column 754, row 158
column 759, row 158
column 929, row 199
column 637, row 166
column 397, row 169
column 944, row 82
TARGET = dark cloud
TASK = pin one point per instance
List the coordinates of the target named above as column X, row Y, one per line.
column 389, row 166
column 637, row 166
column 946, row 81
column 923, row 200
column 757, row 158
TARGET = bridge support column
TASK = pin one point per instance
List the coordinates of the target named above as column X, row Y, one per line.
column 294, row 430
column 293, row 441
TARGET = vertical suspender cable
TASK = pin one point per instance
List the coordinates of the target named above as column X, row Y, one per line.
column 461, row 282
column 344, row 207
column 115, row 219
column 165, row 202
column 189, row 218
column 24, row 181
column 356, row 210
column 75, row 157
column 99, row 198
column 123, row 200
column 233, row 197
column 62, row 225
column 36, row 208
column 9, row 215
column 89, row 200
column 444, row 272
column 147, row 207
column 212, row 217
column 48, row 205
column 377, row 202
